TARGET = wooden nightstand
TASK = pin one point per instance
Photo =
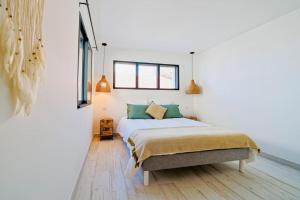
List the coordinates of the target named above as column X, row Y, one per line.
column 106, row 128
column 192, row 118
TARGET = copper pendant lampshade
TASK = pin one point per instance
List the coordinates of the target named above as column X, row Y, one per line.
column 193, row 88
column 103, row 85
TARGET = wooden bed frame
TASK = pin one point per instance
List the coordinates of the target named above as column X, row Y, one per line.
column 193, row 159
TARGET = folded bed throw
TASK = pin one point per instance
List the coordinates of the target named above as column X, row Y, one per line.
column 164, row 141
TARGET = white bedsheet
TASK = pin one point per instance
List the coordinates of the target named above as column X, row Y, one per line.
column 128, row 126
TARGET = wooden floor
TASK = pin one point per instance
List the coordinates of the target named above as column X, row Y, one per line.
column 103, row 178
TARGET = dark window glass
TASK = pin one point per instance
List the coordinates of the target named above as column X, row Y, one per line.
column 84, row 79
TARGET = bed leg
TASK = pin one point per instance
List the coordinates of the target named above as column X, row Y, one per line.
column 146, row 178
column 242, row 165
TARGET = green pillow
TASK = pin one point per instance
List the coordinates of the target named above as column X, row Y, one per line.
column 137, row 112
column 172, row 112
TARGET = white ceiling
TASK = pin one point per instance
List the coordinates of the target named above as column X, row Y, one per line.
column 180, row 25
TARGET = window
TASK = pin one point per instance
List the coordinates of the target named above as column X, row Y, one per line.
column 125, row 74
column 168, row 76
column 84, row 76
column 153, row 76
column 147, row 77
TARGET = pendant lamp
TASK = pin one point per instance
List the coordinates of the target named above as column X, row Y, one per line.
column 193, row 88
column 103, row 85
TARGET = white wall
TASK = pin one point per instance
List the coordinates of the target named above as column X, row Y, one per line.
column 251, row 83
column 41, row 155
column 114, row 104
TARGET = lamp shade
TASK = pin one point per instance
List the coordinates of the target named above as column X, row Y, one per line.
column 193, row 88
column 103, row 85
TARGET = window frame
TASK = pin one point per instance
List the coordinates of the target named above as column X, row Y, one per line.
column 158, row 65
column 86, row 98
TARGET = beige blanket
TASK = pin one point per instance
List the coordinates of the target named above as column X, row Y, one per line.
column 163, row 141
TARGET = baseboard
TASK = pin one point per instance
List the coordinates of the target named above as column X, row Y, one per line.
column 81, row 170
column 280, row 160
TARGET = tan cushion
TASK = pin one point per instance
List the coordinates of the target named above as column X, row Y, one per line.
column 156, row 111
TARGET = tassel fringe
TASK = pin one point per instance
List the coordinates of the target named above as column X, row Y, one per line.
column 21, row 50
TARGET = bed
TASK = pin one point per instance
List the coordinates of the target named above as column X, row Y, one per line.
column 180, row 142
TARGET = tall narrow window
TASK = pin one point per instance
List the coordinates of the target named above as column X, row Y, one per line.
column 136, row 75
column 84, row 79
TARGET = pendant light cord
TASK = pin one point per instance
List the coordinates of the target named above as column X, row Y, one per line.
column 192, row 53
column 103, row 60
column 192, row 66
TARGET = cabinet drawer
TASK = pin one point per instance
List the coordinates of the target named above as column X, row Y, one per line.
column 106, row 129
column 107, row 124
column 104, row 133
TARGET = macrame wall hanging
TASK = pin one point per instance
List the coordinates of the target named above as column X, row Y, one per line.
column 21, row 50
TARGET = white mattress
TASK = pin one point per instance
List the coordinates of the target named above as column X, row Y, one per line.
column 128, row 126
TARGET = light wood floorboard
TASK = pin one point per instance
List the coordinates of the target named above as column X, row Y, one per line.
column 103, row 178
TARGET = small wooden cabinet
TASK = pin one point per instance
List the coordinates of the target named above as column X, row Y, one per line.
column 106, row 128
